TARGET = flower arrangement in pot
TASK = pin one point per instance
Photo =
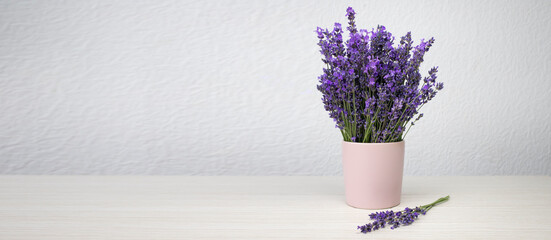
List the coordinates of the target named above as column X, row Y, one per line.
column 373, row 90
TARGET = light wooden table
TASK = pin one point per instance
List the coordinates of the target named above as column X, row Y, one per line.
column 171, row 207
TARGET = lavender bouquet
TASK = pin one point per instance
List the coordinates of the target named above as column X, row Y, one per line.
column 371, row 88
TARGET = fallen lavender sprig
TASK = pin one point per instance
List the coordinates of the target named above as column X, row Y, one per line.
column 395, row 219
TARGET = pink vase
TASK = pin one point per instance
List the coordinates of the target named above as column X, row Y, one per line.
column 373, row 174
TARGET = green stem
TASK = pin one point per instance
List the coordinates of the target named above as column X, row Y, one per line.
column 347, row 126
column 368, row 130
column 440, row 200
column 350, row 125
column 397, row 123
column 355, row 113
column 414, row 121
column 345, row 131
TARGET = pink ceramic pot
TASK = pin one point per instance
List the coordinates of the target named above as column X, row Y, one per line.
column 373, row 174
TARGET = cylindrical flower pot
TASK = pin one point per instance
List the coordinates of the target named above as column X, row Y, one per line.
column 373, row 174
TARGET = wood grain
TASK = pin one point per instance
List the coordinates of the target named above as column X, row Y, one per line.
column 181, row 207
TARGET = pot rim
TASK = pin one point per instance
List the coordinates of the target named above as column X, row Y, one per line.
column 357, row 143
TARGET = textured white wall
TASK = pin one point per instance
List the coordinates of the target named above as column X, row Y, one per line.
column 229, row 87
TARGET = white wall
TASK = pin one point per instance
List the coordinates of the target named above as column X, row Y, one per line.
column 229, row 87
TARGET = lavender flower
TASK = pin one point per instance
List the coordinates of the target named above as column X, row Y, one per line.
column 397, row 219
column 371, row 87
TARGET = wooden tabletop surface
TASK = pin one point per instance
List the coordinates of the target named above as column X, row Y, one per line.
column 200, row 207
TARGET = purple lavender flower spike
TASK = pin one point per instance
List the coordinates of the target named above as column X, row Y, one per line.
column 371, row 88
column 397, row 219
